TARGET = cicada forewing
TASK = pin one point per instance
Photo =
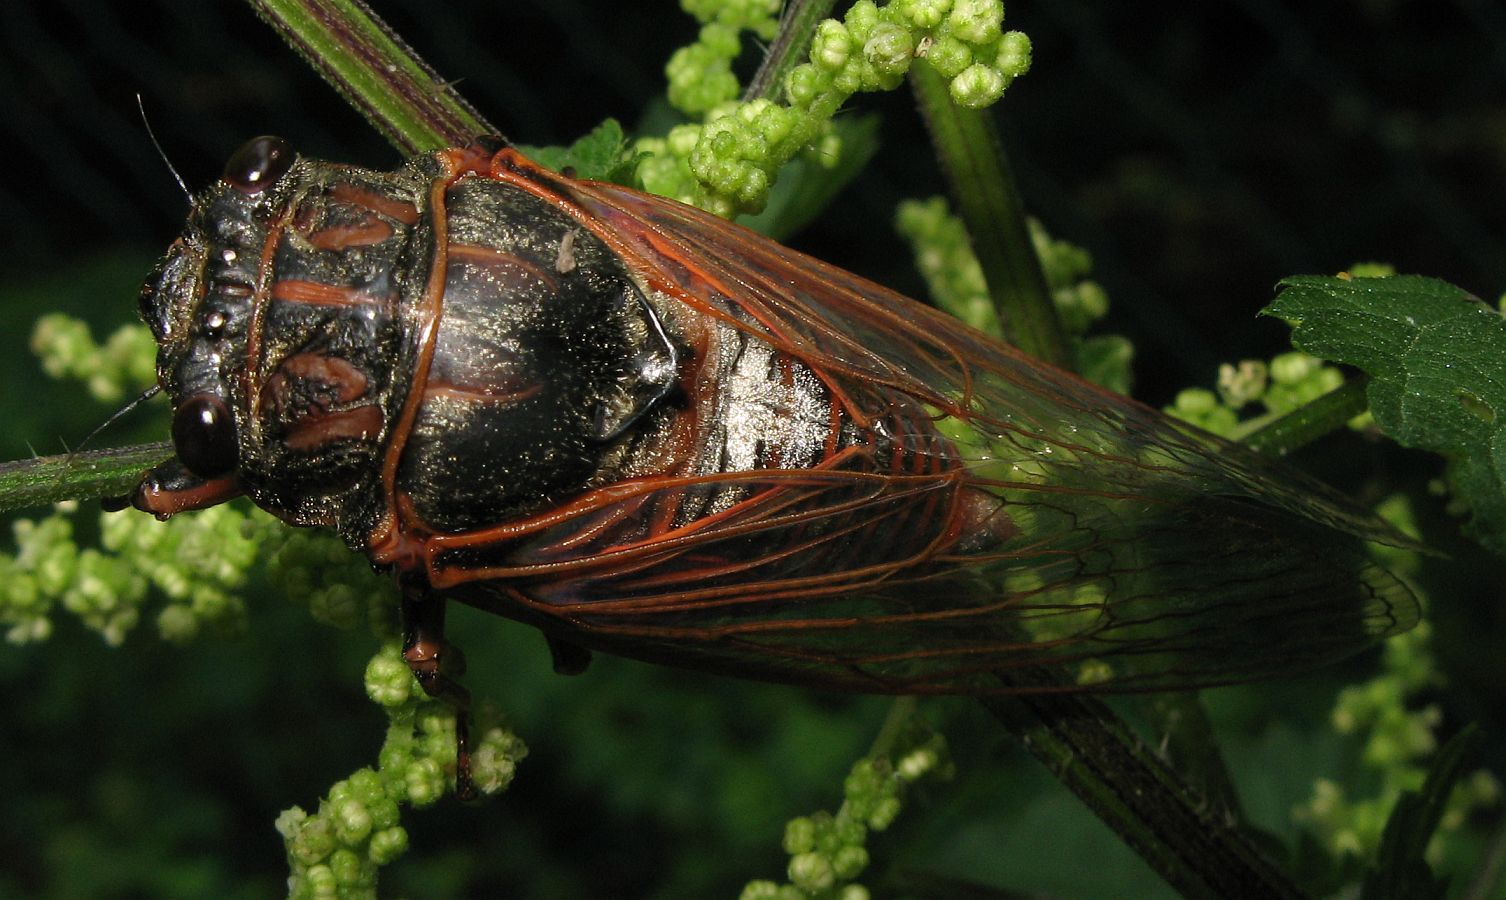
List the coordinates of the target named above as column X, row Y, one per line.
column 974, row 513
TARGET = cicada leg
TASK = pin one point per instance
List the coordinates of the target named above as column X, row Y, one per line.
column 568, row 658
column 437, row 664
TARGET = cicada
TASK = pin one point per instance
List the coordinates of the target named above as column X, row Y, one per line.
column 649, row 431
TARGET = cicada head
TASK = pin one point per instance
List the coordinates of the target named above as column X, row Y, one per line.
column 260, row 387
column 198, row 303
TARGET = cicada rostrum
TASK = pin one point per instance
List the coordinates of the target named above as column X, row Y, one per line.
column 649, row 431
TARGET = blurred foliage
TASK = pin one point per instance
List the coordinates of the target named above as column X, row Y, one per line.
column 156, row 770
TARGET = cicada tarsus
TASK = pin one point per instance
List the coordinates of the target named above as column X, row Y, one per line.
column 649, row 431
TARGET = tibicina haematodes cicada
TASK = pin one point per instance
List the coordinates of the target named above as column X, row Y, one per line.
column 648, row 431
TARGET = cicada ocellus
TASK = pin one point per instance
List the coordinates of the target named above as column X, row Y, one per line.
column 649, row 431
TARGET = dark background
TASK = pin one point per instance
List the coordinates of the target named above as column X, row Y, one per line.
column 1200, row 151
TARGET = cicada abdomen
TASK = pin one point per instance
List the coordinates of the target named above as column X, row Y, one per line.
column 649, row 431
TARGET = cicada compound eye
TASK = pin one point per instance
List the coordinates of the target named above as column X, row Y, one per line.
column 258, row 164
column 204, row 436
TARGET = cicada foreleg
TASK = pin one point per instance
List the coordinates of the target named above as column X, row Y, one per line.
column 438, row 664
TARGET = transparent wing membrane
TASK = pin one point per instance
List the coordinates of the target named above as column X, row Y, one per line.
column 1059, row 524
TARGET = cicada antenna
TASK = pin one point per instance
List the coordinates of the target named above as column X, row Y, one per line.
column 160, row 152
column 145, row 395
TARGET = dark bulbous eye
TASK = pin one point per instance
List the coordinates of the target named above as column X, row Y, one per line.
column 204, row 436
column 258, row 164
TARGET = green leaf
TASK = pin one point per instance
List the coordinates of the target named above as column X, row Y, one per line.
column 1434, row 354
column 1401, row 870
column 601, row 155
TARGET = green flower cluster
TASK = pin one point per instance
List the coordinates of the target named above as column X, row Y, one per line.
column 944, row 256
column 1273, row 389
column 125, row 363
column 197, row 565
column 828, row 851
column 726, row 163
column 200, row 564
column 316, row 566
column 700, row 74
column 338, row 850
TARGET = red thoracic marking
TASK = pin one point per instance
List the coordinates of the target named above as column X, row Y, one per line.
column 394, row 209
column 303, row 393
column 292, row 290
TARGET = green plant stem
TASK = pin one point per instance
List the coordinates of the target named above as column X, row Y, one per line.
column 79, row 476
column 378, row 74
column 1311, row 421
column 1190, row 747
column 1193, row 844
column 982, row 185
column 1187, row 838
column 901, row 711
column 792, row 43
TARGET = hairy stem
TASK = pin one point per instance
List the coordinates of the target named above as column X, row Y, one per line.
column 376, row 72
column 78, row 476
column 982, row 185
column 1311, row 421
column 797, row 26
column 1193, row 844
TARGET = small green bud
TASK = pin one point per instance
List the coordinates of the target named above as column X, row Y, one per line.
column 949, row 56
column 861, row 18
column 425, row 781
column 849, row 862
column 319, row 882
column 387, row 845
column 976, row 21
column 759, row 890
column 350, row 870
column 352, row 821
column 1013, row 59
column 389, row 682
column 1196, row 402
column 831, row 46
column 1290, row 368
column 805, row 82
column 923, row 14
column 883, row 813
column 977, row 86
column 811, row 872
column 494, row 760
column 845, row 831
column 339, row 606
column 799, row 836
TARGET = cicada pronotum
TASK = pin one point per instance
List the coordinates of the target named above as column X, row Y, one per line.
column 649, row 431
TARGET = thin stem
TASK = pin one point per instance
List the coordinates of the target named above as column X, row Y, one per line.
column 1193, row 844
column 376, row 72
column 901, row 711
column 1188, row 840
column 1311, row 421
column 78, row 476
column 983, row 187
column 797, row 26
